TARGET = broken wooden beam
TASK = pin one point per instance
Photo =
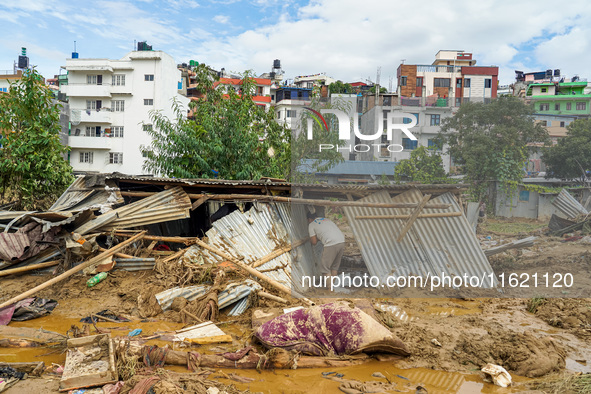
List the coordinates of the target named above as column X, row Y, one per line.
column 271, row 297
column 29, row 268
column 177, row 240
column 520, row 243
column 325, row 203
column 72, row 271
column 421, row 216
column 413, row 217
column 278, row 252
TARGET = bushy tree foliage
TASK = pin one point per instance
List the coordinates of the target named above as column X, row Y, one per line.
column 32, row 167
column 228, row 136
column 571, row 157
column 490, row 141
column 424, row 166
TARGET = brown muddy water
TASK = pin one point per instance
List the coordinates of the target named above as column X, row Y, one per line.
column 279, row 381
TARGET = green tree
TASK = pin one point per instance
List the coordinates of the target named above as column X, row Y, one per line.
column 490, row 141
column 424, row 166
column 228, row 136
column 32, row 168
column 571, row 156
column 372, row 90
column 340, row 87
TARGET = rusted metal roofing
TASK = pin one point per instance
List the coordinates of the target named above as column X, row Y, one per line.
column 78, row 197
column 13, row 246
column 432, row 246
column 568, row 205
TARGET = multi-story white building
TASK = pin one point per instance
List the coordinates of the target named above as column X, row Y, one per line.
column 426, row 131
column 110, row 104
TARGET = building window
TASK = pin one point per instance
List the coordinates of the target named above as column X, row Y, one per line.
column 524, row 195
column 431, row 144
column 544, row 90
column 118, row 105
column 385, row 113
column 487, row 83
column 569, row 106
column 148, row 101
column 557, row 107
column 86, row 157
column 118, row 80
column 459, row 83
column 544, row 107
column 148, row 77
column 441, row 82
column 581, row 106
column 419, row 82
column 94, row 79
column 93, row 105
column 409, row 144
column 435, row 120
column 5, row 90
column 561, row 124
column 406, row 120
column 544, row 123
column 291, row 113
column 118, row 131
column 278, row 114
column 147, row 127
column 403, row 81
column 467, row 82
column 115, row 158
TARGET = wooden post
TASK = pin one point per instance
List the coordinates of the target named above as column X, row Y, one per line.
column 29, row 268
column 72, row 271
column 271, row 297
column 199, row 202
column 278, row 252
column 413, row 216
column 423, row 215
column 178, row 240
column 325, row 203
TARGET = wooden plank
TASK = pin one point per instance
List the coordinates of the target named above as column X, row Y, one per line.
column 326, row 203
column 278, row 252
column 199, row 202
column 413, row 217
column 214, row 339
column 423, row 215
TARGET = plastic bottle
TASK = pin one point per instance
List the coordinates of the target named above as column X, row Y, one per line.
column 96, row 279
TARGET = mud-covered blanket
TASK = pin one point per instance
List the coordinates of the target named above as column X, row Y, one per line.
column 329, row 329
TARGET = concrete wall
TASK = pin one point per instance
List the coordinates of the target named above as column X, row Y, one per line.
column 135, row 65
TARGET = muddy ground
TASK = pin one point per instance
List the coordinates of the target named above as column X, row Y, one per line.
column 534, row 338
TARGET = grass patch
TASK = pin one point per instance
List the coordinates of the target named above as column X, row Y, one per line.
column 578, row 383
column 511, row 227
column 534, row 303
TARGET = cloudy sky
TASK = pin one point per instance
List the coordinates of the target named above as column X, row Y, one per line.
column 347, row 39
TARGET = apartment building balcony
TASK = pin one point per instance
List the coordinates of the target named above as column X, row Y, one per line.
column 85, row 142
column 444, row 102
column 87, row 90
column 102, row 115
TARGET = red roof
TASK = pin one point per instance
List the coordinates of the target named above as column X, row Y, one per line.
column 356, row 84
column 237, row 81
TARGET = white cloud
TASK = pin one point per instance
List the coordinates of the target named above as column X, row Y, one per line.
column 348, row 38
column 223, row 19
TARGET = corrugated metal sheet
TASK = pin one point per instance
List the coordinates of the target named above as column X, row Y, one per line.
column 432, row 246
column 13, row 246
column 256, row 233
column 231, row 294
column 78, row 197
column 165, row 206
column 568, row 205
